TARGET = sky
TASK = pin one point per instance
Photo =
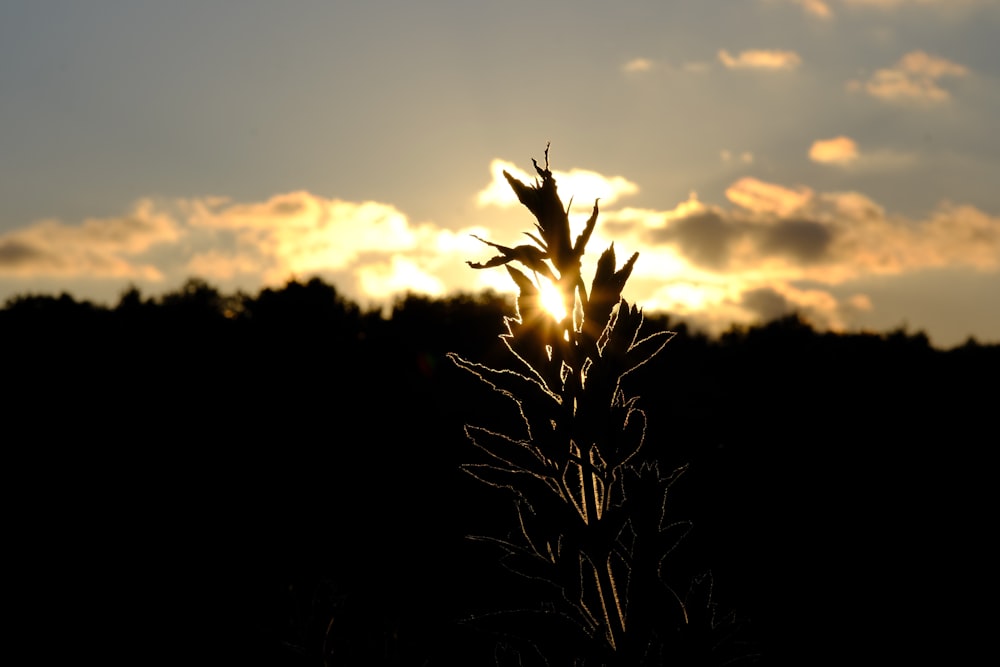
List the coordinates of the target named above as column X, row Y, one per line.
column 835, row 158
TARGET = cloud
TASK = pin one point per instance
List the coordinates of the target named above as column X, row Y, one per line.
column 717, row 242
column 816, row 8
column 761, row 59
column 214, row 264
column 370, row 246
column 818, row 306
column 299, row 232
column 99, row 247
column 398, row 275
column 637, row 65
column 705, row 239
column 762, row 197
column 843, row 152
column 579, row 183
column 780, row 249
column 913, row 79
column 837, row 151
column 960, row 235
column 771, row 249
column 790, row 234
column 768, row 303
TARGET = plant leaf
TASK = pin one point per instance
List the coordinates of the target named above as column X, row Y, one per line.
column 517, row 455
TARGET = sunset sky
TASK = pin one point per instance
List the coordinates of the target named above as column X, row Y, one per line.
column 836, row 157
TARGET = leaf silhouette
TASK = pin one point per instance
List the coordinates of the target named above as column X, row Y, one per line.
column 592, row 515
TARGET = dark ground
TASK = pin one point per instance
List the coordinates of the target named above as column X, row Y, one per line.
column 275, row 480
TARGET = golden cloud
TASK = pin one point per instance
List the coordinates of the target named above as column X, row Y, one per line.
column 214, row 264
column 100, row 247
column 709, row 263
column 299, row 233
column 838, row 151
column 761, row 59
column 776, row 233
column 762, row 197
column 714, row 266
column 584, row 184
column 398, row 275
column 913, row 79
column 637, row 65
column 370, row 244
column 816, row 8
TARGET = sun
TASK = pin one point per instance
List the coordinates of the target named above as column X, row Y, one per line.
column 551, row 299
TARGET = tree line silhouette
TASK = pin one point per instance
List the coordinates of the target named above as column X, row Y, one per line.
column 274, row 479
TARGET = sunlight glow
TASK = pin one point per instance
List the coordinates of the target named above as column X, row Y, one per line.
column 400, row 274
column 551, row 299
column 589, row 185
column 685, row 297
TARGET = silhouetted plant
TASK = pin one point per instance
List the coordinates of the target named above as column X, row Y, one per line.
column 592, row 522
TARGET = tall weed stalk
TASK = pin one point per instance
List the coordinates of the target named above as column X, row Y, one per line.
column 592, row 527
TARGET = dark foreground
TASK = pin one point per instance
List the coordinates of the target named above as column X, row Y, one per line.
column 275, row 480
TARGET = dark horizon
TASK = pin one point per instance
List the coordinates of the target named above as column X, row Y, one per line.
column 175, row 476
column 134, row 294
